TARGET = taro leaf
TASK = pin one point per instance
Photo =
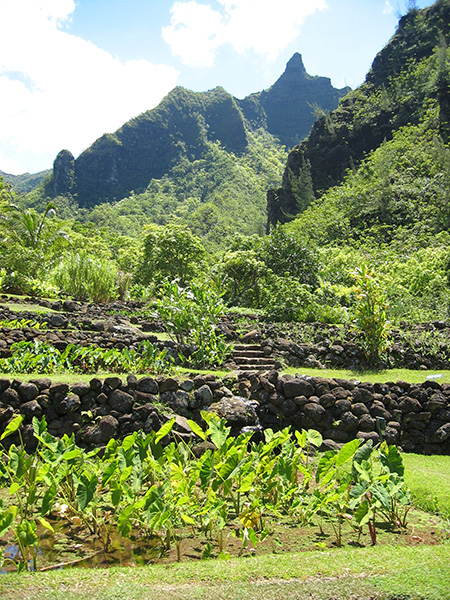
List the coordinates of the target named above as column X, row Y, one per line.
column 382, row 495
column 108, row 472
column 347, row 452
column 364, row 452
column 86, row 490
column 392, row 459
column 219, row 433
column 363, row 513
column 116, row 493
column 39, row 427
column 326, row 462
column 314, row 438
column 6, row 518
column 12, row 426
column 253, row 536
column 197, row 430
column 247, row 482
column 164, row 430
column 26, row 533
column 124, row 524
column 47, row 500
column 46, row 524
column 301, row 437
column 205, row 469
column 71, row 454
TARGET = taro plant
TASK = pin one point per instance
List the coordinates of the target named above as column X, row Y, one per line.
column 380, row 488
column 30, row 485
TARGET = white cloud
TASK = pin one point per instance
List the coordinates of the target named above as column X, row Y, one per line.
column 61, row 91
column 262, row 26
column 388, row 8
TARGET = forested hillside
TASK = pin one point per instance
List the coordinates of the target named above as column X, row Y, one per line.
column 408, row 79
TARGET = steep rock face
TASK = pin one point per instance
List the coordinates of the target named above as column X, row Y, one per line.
column 289, row 105
column 63, row 173
column 364, row 119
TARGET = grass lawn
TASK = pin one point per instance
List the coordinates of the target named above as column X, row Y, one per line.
column 374, row 376
column 429, row 479
column 357, row 574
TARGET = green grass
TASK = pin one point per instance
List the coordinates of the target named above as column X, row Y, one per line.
column 37, row 308
column 373, row 376
column 429, row 480
column 378, row 572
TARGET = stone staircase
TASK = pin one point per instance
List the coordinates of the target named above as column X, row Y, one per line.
column 251, row 357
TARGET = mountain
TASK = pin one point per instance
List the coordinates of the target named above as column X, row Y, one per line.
column 408, row 77
column 25, row 182
column 150, row 145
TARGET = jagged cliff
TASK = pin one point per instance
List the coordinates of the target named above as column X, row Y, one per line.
column 398, row 90
column 148, row 146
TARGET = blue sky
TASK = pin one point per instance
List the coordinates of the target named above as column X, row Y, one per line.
column 71, row 70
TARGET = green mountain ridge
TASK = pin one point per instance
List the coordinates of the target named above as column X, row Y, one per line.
column 150, row 145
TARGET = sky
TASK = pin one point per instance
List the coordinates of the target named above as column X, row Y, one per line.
column 72, row 70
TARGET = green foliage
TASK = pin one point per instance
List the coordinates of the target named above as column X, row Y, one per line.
column 154, row 485
column 83, row 276
column 170, row 252
column 191, row 315
column 370, row 314
column 243, row 276
column 285, row 254
column 41, row 357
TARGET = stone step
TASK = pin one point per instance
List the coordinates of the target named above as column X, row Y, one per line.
column 252, row 367
column 256, row 360
column 248, row 353
column 247, row 347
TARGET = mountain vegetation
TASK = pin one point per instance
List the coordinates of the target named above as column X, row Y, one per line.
column 362, row 213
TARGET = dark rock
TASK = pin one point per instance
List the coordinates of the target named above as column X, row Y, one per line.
column 408, row 404
column 361, row 395
column 96, row 385
column 147, row 385
column 297, row 387
column 28, row 391
column 168, row 384
column 67, row 404
column 113, row 382
column 359, row 409
column 238, row 412
column 100, row 433
column 203, row 396
column 315, row 412
column 80, row 389
column 368, row 435
column 4, row 385
column 366, row 423
column 31, row 409
column 120, row 401
column 348, row 422
column 441, row 435
column 10, row 397
column 58, row 390
column 42, row 383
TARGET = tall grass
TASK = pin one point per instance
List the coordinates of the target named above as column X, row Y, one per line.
column 87, row 278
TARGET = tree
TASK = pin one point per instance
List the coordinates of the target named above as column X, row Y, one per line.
column 244, row 275
column 284, row 253
column 170, row 252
